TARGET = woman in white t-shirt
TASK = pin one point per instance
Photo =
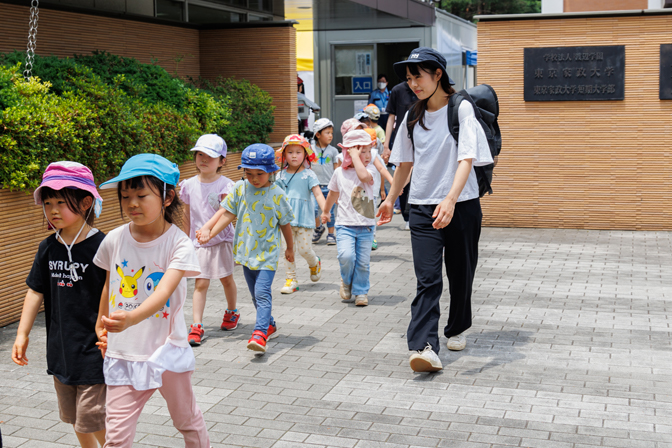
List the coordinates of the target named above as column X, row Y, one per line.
column 445, row 217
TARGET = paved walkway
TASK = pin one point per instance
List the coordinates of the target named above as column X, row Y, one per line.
column 570, row 347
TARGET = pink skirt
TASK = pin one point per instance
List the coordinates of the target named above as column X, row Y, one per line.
column 216, row 261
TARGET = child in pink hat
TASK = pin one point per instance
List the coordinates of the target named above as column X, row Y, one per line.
column 352, row 186
column 65, row 279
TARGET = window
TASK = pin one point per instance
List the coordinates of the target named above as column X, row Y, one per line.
column 170, row 10
column 200, row 14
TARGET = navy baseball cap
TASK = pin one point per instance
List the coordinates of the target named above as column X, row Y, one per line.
column 422, row 54
column 259, row 157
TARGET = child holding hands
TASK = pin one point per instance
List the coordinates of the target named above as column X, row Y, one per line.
column 300, row 184
column 263, row 211
column 202, row 195
column 352, row 187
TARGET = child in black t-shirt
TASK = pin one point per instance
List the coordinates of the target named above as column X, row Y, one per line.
column 64, row 277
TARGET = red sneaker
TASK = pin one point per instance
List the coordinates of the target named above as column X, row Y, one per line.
column 272, row 331
column 230, row 321
column 196, row 335
column 257, row 342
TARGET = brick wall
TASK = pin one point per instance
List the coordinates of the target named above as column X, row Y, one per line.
column 63, row 34
column 264, row 56
column 580, row 164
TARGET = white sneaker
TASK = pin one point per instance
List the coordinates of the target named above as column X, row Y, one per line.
column 345, row 291
column 408, row 226
column 425, row 360
column 361, row 300
column 291, row 285
column 316, row 271
column 457, row 343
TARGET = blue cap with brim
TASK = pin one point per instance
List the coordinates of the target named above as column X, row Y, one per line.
column 259, row 157
column 422, row 54
column 146, row 165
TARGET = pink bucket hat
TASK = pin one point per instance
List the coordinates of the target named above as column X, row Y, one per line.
column 357, row 137
column 59, row 175
column 351, row 124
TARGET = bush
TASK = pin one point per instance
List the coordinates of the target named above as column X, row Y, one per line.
column 93, row 123
column 101, row 109
column 251, row 118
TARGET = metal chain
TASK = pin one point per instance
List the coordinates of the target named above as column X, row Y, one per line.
column 32, row 38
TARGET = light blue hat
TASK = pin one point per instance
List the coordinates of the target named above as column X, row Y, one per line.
column 146, row 165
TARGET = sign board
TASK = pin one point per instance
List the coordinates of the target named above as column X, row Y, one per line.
column 359, row 106
column 362, row 84
column 472, row 58
column 666, row 72
column 574, row 73
column 363, row 64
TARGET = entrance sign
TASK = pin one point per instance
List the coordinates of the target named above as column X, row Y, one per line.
column 362, row 84
column 574, row 73
column 666, row 72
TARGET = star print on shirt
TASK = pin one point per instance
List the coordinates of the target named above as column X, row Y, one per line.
column 124, row 263
column 165, row 315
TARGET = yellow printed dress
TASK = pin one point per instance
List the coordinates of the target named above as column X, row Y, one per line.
column 260, row 212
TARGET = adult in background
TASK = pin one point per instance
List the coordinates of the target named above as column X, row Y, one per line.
column 401, row 99
column 380, row 97
column 445, row 215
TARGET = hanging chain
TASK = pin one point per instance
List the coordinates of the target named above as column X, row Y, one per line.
column 32, row 38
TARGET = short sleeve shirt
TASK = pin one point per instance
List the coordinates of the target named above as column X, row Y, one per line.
column 136, row 269
column 323, row 167
column 260, row 212
column 436, row 155
column 298, row 188
column 356, row 199
column 203, row 201
column 71, row 308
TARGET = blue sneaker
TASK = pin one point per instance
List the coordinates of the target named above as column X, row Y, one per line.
column 317, row 234
column 331, row 239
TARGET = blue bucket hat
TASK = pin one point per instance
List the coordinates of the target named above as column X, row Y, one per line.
column 146, row 165
column 422, row 54
column 259, row 157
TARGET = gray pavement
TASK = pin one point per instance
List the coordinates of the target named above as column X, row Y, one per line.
column 570, row 347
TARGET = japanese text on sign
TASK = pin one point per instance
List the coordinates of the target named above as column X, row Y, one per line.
column 574, row 73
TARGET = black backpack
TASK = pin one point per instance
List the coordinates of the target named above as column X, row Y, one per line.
column 486, row 108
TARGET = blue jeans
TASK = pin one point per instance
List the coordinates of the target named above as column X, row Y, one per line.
column 318, row 210
column 259, row 282
column 354, row 256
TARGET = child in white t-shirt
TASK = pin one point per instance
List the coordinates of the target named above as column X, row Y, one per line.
column 202, row 195
column 141, row 327
column 352, row 186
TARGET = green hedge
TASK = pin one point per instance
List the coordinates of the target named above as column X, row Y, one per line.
column 101, row 109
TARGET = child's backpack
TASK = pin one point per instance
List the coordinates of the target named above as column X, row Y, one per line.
column 486, row 108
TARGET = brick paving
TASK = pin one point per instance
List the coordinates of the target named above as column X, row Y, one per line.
column 570, row 347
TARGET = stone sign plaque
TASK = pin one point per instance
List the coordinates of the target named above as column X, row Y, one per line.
column 666, row 72
column 575, row 73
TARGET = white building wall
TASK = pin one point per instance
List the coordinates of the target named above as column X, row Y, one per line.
column 552, row 6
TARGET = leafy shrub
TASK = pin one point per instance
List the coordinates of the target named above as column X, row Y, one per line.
column 101, row 109
column 251, row 118
column 93, row 123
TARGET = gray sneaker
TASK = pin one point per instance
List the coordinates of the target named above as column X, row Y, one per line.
column 425, row 360
column 331, row 239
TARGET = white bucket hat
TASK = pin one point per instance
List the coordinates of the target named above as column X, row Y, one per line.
column 211, row 145
column 322, row 123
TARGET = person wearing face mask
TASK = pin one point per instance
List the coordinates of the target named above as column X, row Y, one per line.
column 380, row 97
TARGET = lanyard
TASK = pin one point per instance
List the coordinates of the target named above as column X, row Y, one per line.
column 73, row 272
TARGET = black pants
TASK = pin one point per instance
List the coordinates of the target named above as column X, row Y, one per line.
column 403, row 203
column 459, row 243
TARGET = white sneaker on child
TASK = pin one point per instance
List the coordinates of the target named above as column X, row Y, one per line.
column 345, row 292
column 291, row 285
column 457, row 343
